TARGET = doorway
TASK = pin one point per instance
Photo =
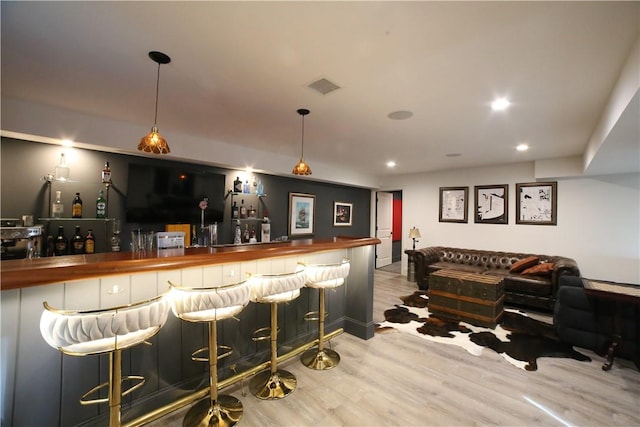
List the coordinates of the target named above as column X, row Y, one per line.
column 388, row 227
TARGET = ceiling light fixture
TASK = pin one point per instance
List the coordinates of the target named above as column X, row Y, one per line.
column 522, row 147
column 302, row 168
column 500, row 104
column 153, row 142
column 391, row 164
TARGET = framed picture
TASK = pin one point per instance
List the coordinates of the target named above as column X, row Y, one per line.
column 454, row 204
column 301, row 214
column 536, row 203
column 492, row 204
column 342, row 214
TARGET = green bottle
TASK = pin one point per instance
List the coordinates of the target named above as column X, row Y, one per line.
column 101, row 205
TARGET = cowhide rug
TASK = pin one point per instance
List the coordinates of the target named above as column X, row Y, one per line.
column 518, row 338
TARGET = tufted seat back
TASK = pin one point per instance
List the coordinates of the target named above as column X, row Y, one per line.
column 267, row 288
column 100, row 331
column 327, row 275
column 206, row 304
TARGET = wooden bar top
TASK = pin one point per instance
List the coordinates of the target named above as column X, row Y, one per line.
column 22, row 273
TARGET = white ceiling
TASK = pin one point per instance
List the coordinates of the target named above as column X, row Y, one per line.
column 240, row 70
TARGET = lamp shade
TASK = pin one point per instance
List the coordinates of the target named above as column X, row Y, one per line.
column 154, row 143
column 414, row 233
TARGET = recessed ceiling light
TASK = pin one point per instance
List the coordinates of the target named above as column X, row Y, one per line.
column 500, row 104
column 522, row 147
column 400, row 115
column 391, row 164
column 67, row 142
column 453, row 155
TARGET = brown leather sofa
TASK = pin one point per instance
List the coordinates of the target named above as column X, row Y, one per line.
column 532, row 290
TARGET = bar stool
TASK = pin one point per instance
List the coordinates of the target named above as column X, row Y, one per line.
column 273, row 289
column 323, row 276
column 210, row 305
column 83, row 333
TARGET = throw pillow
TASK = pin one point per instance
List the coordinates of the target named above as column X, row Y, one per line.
column 524, row 264
column 543, row 269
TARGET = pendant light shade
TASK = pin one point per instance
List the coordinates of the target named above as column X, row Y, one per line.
column 153, row 142
column 302, row 168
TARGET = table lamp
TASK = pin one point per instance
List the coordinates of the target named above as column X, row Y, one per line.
column 414, row 234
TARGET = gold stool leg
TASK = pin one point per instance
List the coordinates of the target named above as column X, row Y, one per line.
column 320, row 358
column 220, row 411
column 115, row 387
column 274, row 383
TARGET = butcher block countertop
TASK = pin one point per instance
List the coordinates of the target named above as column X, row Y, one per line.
column 15, row 274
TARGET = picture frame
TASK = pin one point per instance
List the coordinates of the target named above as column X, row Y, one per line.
column 342, row 214
column 491, row 204
column 454, row 204
column 537, row 203
column 301, row 214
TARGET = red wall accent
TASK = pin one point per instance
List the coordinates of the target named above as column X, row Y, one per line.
column 397, row 220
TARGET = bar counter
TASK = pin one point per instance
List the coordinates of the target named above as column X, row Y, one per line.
column 39, row 376
column 23, row 273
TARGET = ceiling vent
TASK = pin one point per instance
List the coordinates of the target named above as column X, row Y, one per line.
column 324, row 86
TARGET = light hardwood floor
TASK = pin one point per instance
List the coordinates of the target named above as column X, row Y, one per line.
column 395, row 379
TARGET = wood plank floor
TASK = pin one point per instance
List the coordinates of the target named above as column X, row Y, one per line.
column 395, row 379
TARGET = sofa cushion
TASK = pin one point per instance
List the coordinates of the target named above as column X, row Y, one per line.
column 523, row 264
column 544, row 269
column 530, row 285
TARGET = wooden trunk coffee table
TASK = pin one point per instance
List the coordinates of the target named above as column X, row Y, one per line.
column 474, row 298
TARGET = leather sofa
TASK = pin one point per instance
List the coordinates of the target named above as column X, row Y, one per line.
column 588, row 322
column 531, row 290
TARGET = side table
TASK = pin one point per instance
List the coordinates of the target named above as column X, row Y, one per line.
column 411, row 267
column 620, row 294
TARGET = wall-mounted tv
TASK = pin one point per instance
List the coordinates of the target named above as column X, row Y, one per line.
column 172, row 194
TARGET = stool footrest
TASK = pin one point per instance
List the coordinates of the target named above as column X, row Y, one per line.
column 139, row 383
column 314, row 315
column 223, row 351
column 262, row 334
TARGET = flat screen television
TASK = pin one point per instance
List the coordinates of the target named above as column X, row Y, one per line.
column 172, row 194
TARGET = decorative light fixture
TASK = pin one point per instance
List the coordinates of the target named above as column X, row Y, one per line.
column 302, row 168
column 414, row 234
column 153, row 142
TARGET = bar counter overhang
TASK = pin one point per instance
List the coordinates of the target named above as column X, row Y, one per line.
column 35, row 372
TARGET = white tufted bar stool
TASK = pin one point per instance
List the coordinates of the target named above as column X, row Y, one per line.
column 322, row 277
column 273, row 289
column 111, row 330
column 210, row 305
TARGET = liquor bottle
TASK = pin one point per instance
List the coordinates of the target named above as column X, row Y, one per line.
column 235, row 211
column 237, row 235
column 115, row 239
column 106, row 174
column 76, row 207
column 252, row 234
column 260, row 189
column 57, row 208
column 61, row 243
column 245, row 188
column 245, row 236
column 254, row 185
column 194, row 236
column 251, row 213
column 62, row 170
column 77, row 242
column 51, row 246
column 237, row 185
column 90, row 242
column 101, row 205
column 243, row 210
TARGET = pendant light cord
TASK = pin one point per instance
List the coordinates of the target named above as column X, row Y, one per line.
column 155, row 118
column 302, row 154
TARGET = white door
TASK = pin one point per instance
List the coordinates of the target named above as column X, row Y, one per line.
column 384, row 224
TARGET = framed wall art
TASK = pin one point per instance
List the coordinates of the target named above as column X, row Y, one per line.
column 454, row 204
column 536, row 203
column 301, row 214
column 342, row 214
column 491, row 204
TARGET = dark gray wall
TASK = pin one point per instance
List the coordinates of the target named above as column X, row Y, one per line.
column 24, row 191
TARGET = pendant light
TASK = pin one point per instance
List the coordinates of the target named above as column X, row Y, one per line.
column 302, row 168
column 153, row 142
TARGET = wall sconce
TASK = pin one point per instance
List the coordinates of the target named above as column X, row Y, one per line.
column 414, row 234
